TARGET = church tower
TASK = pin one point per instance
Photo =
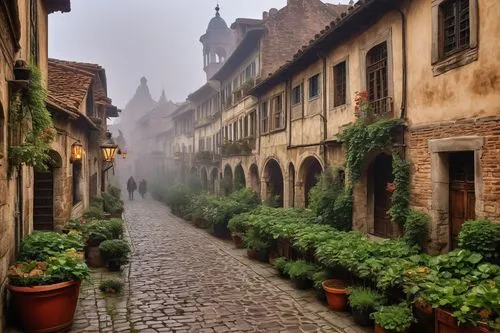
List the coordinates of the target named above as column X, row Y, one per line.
column 218, row 44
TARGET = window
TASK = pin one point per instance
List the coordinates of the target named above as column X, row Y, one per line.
column 201, row 144
column 339, row 84
column 455, row 26
column 277, row 112
column 264, row 117
column 77, row 173
column 376, row 78
column 297, row 94
column 235, row 131
column 314, row 86
column 253, row 123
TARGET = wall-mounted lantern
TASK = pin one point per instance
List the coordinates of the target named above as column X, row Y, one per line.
column 109, row 148
column 76, row 152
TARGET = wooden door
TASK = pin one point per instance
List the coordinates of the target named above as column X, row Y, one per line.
column 382, row 174
column 43, row 210
column 462, row 194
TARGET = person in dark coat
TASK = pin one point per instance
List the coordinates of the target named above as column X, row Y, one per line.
column 131, row 187
column 143, row 188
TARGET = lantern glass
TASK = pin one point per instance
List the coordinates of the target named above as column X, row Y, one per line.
column 76, row 152
column 109, row 152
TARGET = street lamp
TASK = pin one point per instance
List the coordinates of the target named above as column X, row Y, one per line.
column 76, row 152
column 109, row 148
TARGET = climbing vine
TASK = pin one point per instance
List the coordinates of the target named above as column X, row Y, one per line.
column 401, row 196
column 29, row 115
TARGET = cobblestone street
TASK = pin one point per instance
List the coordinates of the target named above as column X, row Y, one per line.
column 181, row 279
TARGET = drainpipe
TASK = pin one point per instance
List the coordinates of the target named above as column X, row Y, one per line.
column 404, row 77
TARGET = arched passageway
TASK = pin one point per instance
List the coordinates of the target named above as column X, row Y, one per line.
column 291, row 185
column 309, row 171
column 204, row 179
column 227, row 181
column 274, row 177
column 254, row 178
column 239, row 177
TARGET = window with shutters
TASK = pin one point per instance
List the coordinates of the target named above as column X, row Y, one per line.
column 454, row 34
column 277, row 109
column 264, row 116
column 339, row 84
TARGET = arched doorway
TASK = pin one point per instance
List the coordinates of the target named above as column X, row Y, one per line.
column 227, row 181
column 204, row 179
column 291, row 185
column 309, row 171
column 213, row 180
column 45, row 189
column 239, row 177
column 274, row 176
column 254, row 178
column 380, row 176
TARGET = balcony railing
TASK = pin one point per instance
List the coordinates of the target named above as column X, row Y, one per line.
column 382, row 106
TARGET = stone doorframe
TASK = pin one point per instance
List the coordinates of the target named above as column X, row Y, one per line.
column 440, row 177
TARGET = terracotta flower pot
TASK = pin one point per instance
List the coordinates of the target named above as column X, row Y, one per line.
column 480, row 328
column 336, row 294
column 238, row 241
column 445, row 322
column 93, row 255
column 251, row 254
column 424, row 313
column 45, row 308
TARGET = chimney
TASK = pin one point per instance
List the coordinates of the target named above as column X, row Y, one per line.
column 265, row 15
column 273, row 11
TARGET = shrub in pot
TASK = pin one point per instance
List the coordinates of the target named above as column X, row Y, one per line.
column 481, row 236
column 96, row 232
column 301, row 272
column 394, row 318
column 281, row 265
column 44, row 294
column 255, row 243
column 364, row 301
column 115, row 252
column 42, row 245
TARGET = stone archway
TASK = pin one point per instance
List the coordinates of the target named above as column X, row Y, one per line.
column 254, row 178
column 291, row 185
column 227, row 180
column 239, row 178
column 273, row 177
column 204, row 179
column 309, row 172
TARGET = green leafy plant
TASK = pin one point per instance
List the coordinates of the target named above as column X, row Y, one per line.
column 94, row 212
column 28, row 110
column 115, row 249
column 280, row 264
column 114, row 191
column 320, row 276
column 40, row 246
column 97, row 231
column 254, row 241
column 65, row 266
column 301, row 270
column 111, row 204
column 481, row 236
column 365, row 299
column 401, row 196
column 394, row 318
column 111, row 286
column 416, row 228
column 115, row 228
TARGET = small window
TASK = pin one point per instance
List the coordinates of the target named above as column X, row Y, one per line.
column 253, row 123
column 235, row 131
column 297, row 95
column 339, row 84
column 264, row 117
column 314, row 86
column 277, row 112
column 455, row 26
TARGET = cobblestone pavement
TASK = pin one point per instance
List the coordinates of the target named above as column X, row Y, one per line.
column 181, row 279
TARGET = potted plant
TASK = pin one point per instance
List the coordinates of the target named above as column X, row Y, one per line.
column 96, row 232
column 394, row 318
column 364, row 301
column 237, row 240
column 301, row 272
column 424, row 315
column 281, row 265
column 115, row 252
column 336, row 294
column 257, row 248
column 318, row 279
column 44, row 294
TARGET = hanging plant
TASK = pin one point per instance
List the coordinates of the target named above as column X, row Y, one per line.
column 401, row 197
column 29, row 115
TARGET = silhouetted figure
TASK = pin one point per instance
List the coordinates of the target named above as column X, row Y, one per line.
column 131, row 187
column 143, row 188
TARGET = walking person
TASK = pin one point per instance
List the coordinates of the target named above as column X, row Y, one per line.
column 143, row 188
column 131, row 187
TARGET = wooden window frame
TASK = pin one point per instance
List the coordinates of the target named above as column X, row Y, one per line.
column 335, row 85
column 309, row 81
column 300, row 88
column 444, row 62
column 252, row 130
column 277, row 113
column 264, row 117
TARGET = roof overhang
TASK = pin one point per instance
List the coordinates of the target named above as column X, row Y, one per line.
column 204, row 91
column 364, row 14
column 244, row 48
column 63, row 6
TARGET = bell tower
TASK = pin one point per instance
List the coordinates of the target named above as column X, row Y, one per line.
column 218, row 44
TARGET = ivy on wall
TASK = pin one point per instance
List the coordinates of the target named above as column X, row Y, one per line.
column 401, row 196
column 29, row 115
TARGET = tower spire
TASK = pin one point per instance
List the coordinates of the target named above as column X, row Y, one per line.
column 217, row 8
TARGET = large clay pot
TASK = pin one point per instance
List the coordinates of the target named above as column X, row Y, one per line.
column 93, row 255
column 445, row 322
column 424, row 313
column 45, row 308
column 336, row 294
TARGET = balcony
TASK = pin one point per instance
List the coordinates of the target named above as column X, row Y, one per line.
column 239, row 148
column 382, row 107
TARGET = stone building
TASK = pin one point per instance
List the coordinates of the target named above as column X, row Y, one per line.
column 80, row 107
column 441, row 82
column 23, row 26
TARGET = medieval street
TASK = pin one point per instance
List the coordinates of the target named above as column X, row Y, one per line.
column 181, row 279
